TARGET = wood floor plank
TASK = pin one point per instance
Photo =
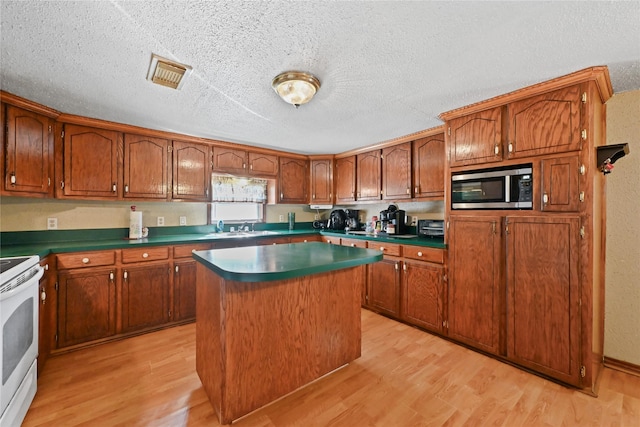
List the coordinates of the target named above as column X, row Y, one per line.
column 405, row 377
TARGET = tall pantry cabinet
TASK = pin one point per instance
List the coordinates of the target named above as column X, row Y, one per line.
column 528, row 285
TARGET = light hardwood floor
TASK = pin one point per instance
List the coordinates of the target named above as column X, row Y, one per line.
column 405, row 377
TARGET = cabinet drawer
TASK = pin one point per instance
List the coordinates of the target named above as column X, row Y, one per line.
column 144, row 254
column 354, row 243
column 85, row 259
column 184, row 251
column 332, row 240
column 424, row 254
column 387, row 248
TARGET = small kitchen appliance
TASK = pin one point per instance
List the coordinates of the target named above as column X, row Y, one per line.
column 353, row 219
column 392, row 220
column 337, row 220
column 430, row 228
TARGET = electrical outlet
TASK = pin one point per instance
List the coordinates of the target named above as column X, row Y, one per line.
column 183, row 220
column 281, row 218
column 52, row 223
column 160, row 221
column 414, row 220
column 316, row 217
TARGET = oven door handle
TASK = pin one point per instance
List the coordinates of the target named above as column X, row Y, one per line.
column 35, row 278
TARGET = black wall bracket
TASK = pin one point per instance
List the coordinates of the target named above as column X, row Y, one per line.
column 608, row 154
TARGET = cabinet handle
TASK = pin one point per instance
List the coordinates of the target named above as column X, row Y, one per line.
column 545, row 198
column 415, row 190
column 313, row 196
column 177, row 268
column 408, row 191
column 404, row 267
column 419, row 253
column 244, row 166
column 85, row 260
column 145, row 255
column 251, row 166
column 111, row 276
column 126, row 188
column 510, row 148
column 282, row 195
column 397, row 266
column 125, row 275
column 46, row 267
column 13, row 178
column 43, row 295
column 115, row 187
column 583, row 169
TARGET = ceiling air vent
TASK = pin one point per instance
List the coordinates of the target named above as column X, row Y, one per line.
column 167, row 73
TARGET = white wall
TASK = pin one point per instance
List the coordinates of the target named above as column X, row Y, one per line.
column 622, row 275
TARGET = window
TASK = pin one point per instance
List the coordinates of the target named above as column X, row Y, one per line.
column 237, row 199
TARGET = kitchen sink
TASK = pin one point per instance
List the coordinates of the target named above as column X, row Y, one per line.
column 235, row 234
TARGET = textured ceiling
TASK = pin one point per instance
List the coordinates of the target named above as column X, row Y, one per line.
column 387, row 68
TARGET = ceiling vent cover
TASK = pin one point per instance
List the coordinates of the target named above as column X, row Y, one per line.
column 167, row 73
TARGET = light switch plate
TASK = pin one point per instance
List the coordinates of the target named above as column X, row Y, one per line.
column 160, row 221
column 183, row 220
column 52, row 223
column 281, row 218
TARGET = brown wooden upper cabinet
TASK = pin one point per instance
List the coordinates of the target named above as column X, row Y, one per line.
column 396, row 171
column 428, row 167
column 368, row 170
column 547, row 123
column 321, row 181
column 346, row 179
column 146, row 167
column 191, row 171
column 476, row 138
column 293, row 181
column 90, row 163
column 243, row 162
column 29, row 153
column 560, row 184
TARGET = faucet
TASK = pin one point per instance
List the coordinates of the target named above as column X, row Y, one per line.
column 245, row 226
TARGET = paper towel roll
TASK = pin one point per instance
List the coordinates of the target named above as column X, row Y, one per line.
column 135, row 225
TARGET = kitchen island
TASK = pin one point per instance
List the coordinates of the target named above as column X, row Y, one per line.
column 270, row 319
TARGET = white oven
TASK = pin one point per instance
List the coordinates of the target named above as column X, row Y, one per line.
column 19, row 277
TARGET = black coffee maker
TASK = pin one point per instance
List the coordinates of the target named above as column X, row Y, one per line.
column 353, row 219
column 392, row 220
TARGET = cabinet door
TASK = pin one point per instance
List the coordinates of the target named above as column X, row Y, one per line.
column 321, row 181
column 560, row 184
column 384, row 286
column 548, row 123
column 191, row 171
column 145, row 296
column 368, row 168
column 47, row 313
column 293, row 181
column 263, row 164
column 396, row 172
column 346, row 179
column 422, row 294
column 184, row 290
column 29, row 153
column 91, row 162
column 229, row 160
column 476, row 138
column 86, row 305
column 146, row 167
column 474, row 295
column 544, row 294
column 428, row 167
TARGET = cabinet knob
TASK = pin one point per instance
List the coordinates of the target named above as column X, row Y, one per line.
column 13, row 178
column 353, row 245
column 46, row 267
column 43, row 295
column 145, row 255
column 114, row 187
column 305, row 241
column 85, row 260
column 419, row 253
column 382, row 248
column 545, row 198
column 177, row 268
column 510, row 148
column 408, row 191
column 126, row 188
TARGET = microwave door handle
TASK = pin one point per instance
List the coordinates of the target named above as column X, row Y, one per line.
column 507, row 189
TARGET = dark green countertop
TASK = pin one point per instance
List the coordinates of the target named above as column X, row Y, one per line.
column 42, row 243
column 286, row 261
column 436, row 242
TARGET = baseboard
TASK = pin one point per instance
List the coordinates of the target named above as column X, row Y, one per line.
column 620, row 365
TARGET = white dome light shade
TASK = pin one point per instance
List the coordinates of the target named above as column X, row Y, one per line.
column 296, row 87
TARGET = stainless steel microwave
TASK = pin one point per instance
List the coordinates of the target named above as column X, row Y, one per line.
column 496, row 188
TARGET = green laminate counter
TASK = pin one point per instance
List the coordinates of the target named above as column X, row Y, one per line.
column 286, row 261
column 414, row 240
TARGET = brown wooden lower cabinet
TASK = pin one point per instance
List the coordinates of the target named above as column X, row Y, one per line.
column 47, row 311
column 384, row 286
column 86, row 305
column 422, row 294
column 145, row 296
column 184, row 290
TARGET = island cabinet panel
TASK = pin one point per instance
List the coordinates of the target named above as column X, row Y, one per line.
column 476, row 138
column 229, row 160
column 184, row 281
column 543, row 124
column 86, row 305
column 263, row 164
column 91, row 163
column 396, row 171
column 560, row 184
column 145, row 296
column 368, row 179
column 29, row 153
column 293, row 181
column 474, row 294
column 384, row 286
column 146, row 167
column 321, row 181
column 191, row 171
column 47, row 312
column 346, row 179
column 422, row 294
column 544, row 295
column 428, row 167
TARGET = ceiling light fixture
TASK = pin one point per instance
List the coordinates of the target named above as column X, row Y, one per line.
column 296, row 87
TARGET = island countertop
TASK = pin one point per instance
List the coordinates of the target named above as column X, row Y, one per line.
column 285, row 261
